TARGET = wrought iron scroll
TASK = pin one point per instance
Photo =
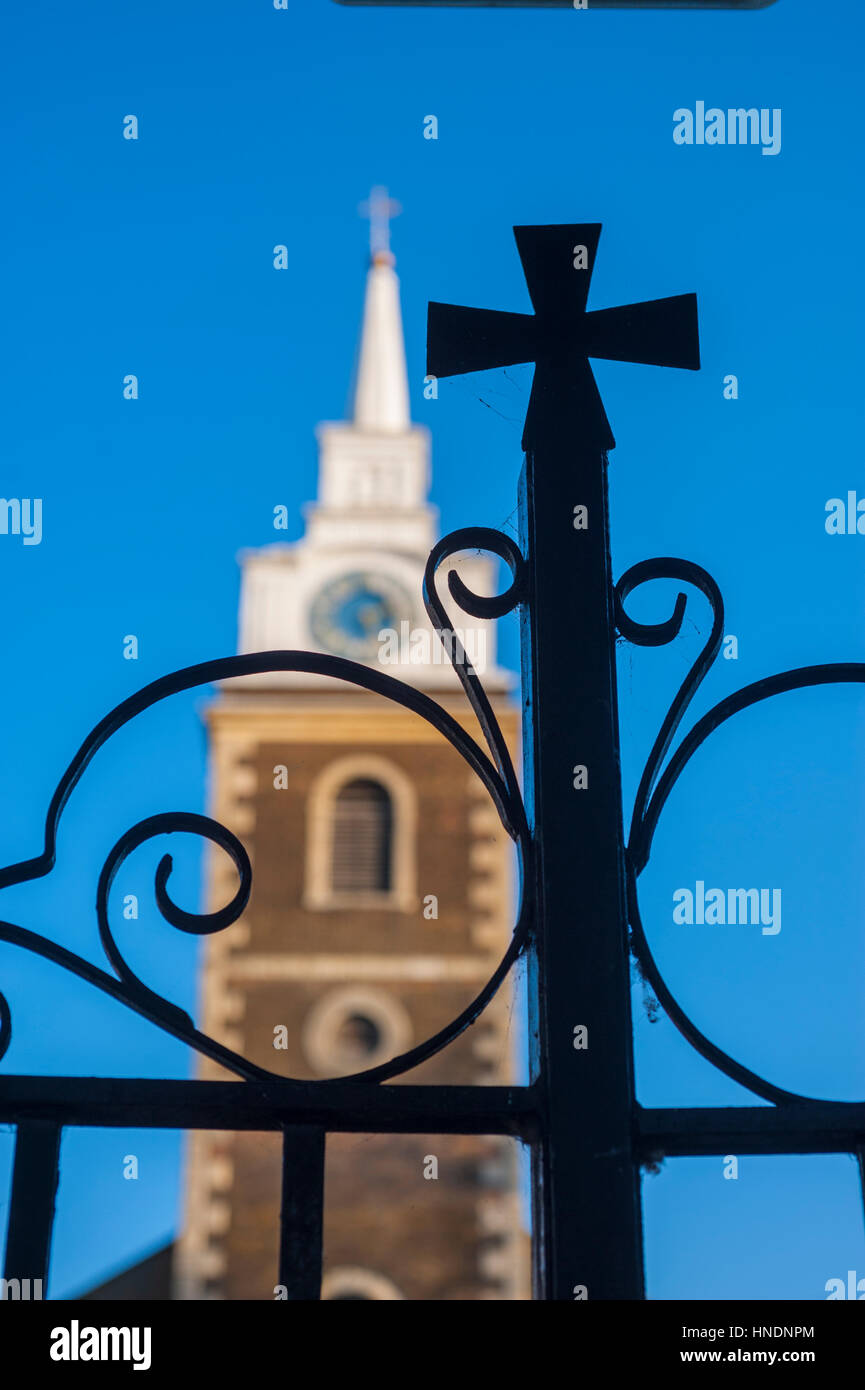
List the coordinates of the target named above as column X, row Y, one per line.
column 494, row 768
column 655, row 785
column 495, row 771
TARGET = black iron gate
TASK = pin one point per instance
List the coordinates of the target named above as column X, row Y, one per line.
column 578, row 917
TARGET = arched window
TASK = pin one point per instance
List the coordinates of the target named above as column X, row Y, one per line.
column 361, row 835
column 362, row 849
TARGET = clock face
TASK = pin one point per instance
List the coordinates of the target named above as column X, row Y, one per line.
column 348, row 614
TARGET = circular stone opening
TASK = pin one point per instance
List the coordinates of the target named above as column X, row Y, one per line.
column 357, row 1038
column 350, row 1030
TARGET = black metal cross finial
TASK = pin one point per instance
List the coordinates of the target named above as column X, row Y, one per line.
column 561, row 335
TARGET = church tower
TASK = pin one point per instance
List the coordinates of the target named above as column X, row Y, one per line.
column 382, row 896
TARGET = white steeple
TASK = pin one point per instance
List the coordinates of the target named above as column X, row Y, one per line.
column 381, row 388
column 381, row 401
column 374, row 468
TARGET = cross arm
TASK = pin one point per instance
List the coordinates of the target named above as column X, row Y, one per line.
column 656, row 333
column 472, row 340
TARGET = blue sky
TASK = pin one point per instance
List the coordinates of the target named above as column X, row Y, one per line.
column 260, row 127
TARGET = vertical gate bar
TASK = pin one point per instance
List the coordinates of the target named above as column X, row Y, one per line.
column 586, row 1188
column 301, row 1217
column 31, row 1209
column 585, row 1172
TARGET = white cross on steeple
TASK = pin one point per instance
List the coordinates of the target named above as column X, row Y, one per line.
column 379, row 208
